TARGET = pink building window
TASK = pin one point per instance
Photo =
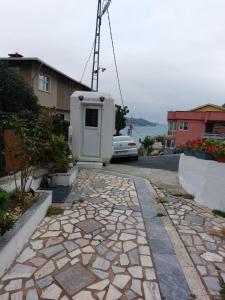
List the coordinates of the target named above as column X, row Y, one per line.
column 184, row 125
column 172, row 128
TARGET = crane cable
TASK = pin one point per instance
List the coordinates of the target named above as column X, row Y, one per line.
column 114, row 54
column 86, row 64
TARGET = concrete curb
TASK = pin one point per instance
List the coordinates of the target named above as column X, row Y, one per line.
column 13, row 241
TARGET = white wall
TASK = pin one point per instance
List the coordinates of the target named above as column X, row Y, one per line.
column 204, row 179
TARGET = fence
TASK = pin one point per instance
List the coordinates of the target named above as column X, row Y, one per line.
column 11, row 150
column 9, row 146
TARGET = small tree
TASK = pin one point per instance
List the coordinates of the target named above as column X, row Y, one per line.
column 121, row 113
column 148, row 142
column 15, row 94
column 32, row 135
column 223, row 105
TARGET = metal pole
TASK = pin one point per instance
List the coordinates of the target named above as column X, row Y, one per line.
column 95, row 67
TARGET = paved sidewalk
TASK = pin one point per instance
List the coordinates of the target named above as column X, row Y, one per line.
column 168, row 180
column 97, row 249
column 200, row 231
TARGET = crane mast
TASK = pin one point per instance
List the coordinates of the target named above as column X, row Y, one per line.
column 95, row 66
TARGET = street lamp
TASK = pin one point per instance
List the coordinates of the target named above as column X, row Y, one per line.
column 100, row 69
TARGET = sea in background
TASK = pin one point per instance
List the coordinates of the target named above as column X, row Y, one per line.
column 140, row 132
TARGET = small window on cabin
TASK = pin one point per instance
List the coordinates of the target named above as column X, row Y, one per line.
column 91, row 117
column 184, row 126
column 44, row 83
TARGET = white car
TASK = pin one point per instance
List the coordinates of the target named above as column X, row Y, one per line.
column 124, row 146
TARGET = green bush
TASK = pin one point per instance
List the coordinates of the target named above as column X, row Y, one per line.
column 15, row 94
column 6, row 222
column 4, row 199
column 59, row 154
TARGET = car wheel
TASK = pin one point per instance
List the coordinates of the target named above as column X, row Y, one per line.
column 136, row 158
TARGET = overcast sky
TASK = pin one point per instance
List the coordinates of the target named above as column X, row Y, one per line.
column 170, row 53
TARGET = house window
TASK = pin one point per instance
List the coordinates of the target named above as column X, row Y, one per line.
column 183, row 125
column 44, row 83
column 172, row 128
column 170, row 143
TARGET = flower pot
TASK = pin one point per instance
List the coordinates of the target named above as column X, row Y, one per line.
column 221, row 158
column 204, row 155
column 189, row 152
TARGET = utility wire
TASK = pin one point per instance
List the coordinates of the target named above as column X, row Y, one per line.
column 86, row 64
column 114, row 54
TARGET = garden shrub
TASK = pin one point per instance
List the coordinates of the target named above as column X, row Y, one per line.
column 212, row 146
column 59, row 153
column 6, row 222
column 15, row 94
column 148, row 142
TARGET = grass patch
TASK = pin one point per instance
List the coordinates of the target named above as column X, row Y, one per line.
column 160, row 200
column 222, row 290
column 218, row 212
column 54, row 211
column 188, row 196
column 177, row 194
column 160, row 215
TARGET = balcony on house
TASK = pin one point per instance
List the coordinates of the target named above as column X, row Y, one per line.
column 217, row 136
column 214, row 130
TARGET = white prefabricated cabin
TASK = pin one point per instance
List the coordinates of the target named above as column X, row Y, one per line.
column 92, row 117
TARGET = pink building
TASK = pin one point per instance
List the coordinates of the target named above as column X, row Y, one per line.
column 204, row 121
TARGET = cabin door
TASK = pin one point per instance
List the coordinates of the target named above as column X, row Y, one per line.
column 91, row 131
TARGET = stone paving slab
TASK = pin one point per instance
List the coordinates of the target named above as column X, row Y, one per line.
column 108, row 258
column 74, row 279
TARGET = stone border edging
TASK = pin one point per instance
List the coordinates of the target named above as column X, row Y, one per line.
column 172, row 281
column 13, row 241
column 191, row 274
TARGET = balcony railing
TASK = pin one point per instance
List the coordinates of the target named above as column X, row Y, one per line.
column 218, row 136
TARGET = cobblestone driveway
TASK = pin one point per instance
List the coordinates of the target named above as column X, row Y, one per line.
column 96, row 250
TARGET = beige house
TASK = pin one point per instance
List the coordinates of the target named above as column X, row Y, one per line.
column 52, row 87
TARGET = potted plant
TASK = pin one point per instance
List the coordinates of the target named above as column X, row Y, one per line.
column 207, row 149
column 218, row 151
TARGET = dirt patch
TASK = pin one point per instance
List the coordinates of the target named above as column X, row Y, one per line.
column 17, row 209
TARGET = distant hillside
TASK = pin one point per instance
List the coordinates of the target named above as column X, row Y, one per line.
column 140, row 122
